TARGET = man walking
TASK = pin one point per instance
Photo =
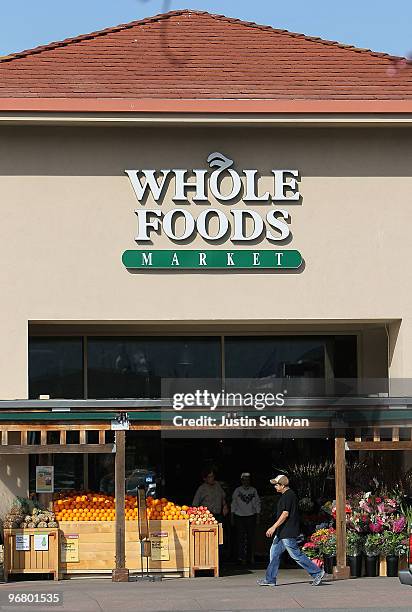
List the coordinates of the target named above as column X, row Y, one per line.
column 286, row 527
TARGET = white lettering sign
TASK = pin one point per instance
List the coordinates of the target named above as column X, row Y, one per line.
column 224, row 184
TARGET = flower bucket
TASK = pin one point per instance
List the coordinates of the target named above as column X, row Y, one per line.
column 328, row 563
column 371, row 565
column 355, row 564
column 392, row 564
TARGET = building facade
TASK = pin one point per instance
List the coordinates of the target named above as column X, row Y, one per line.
column 327, row 130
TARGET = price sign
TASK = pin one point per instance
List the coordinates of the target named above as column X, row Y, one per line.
column 23, row 542
column 69, row 549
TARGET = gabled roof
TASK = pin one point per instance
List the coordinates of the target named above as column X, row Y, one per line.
column 191, row 55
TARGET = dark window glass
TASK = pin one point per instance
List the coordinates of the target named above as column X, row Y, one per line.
column 135, row 367
column 56, row 367
column 144, row 465
column 345, row 357
column 280, row 357
column 314, row 362
column 68, row 472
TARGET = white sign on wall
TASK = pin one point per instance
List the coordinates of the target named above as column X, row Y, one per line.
column 226, row 185
column 23, row 542
column 41, row 541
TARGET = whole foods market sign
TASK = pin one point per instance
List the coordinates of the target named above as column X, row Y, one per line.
column 237, row 225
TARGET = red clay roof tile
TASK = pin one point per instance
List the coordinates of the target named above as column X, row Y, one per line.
column 195, row 55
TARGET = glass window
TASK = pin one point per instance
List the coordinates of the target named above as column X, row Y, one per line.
column 56, row 367
column 68, row 471
column 345, row 357
column 313, row 362
column 135, row 367
column 280, row 357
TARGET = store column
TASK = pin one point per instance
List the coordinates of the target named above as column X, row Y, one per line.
column 341, row 571
column 120, row 573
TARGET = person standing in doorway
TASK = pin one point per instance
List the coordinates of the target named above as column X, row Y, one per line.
column 286, row 530
column 245, row 515
column 211, row 495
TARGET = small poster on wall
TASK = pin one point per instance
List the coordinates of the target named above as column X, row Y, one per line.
column 44, row 479
column 41, row 541
column 22, row 542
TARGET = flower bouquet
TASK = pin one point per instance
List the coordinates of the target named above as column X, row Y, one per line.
column 321, row 547
column 393, row 545
column 372, row 548
column 354, row 545
column 373, row 544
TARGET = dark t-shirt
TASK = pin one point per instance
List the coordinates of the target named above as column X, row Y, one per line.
column 291, row 527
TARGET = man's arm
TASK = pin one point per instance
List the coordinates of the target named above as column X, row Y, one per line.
column 283, row 517
column 225, row 509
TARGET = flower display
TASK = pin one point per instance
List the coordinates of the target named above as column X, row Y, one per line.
column 321, row 535
column 399, row 524
column 311, row 550
column 394, row 543
column 348, row 509
column 375, row 514
column 322, row 542
column 354, row 542
column 373, row 544
column 375, row 523
column 403, row 546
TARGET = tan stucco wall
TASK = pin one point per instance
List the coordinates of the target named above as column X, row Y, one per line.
column 14, row 471
column 67, row 216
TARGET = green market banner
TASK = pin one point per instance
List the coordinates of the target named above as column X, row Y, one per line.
column 212, row 259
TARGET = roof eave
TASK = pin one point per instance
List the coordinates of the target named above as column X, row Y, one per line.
column 169, row 105
column 115, row 111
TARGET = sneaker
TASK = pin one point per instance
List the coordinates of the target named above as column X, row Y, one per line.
column 318, row 578
column 264, row 582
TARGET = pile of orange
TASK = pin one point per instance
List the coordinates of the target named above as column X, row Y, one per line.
column 101, row 507
column 91, row 507
column 165, row 510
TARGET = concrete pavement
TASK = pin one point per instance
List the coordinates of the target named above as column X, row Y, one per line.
column 227, row 594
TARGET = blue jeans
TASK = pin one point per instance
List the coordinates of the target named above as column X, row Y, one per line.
column 289, row 544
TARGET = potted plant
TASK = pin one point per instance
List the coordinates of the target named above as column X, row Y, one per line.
column 354, row 543
column 390, row 542
column 328, row 549
column 372, row 548
column 393, row 545
column 311, row 550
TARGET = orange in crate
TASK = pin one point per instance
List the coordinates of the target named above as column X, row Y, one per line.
column 80, row 506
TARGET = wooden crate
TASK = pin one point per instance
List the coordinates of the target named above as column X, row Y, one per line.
column 31, row 561
column 204, row 548
column 96, row 545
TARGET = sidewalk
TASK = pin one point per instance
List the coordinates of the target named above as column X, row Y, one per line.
column 232, row 593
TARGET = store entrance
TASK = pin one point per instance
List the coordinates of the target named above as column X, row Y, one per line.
column 176, row 467
column 309, row 464
column 186, row 458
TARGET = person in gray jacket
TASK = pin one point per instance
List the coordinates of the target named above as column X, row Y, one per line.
column 211, row 495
